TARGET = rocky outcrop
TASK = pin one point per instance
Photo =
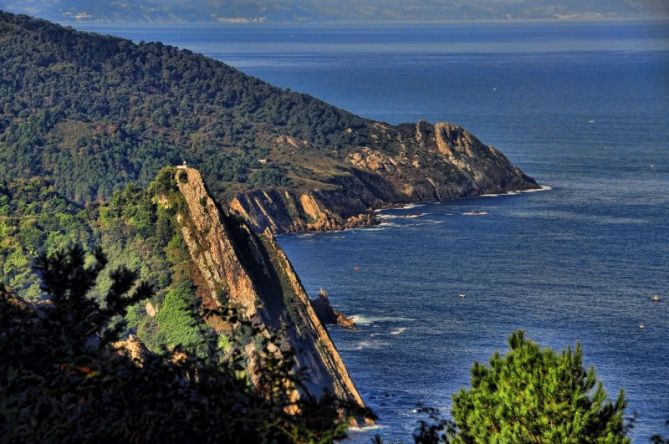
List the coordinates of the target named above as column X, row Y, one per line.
column 252, row 271
column 327, row 314
column 289, row 211
column 133, row 348
column 406, row 163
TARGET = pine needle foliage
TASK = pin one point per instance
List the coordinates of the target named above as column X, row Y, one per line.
column 535, row 395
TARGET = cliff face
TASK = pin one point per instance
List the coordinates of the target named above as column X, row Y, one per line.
column 284, row 160
column 407, row 163
column 252, row 271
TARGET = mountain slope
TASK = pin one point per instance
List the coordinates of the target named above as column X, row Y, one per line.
column 93, row 112
column 188, row 249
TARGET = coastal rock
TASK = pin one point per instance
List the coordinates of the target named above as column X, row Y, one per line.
column 286, row 211
column 327, row 314
column 231, row 261
column 410, row 163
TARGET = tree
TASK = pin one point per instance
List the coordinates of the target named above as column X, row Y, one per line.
column 68, row 375
column 534, row 395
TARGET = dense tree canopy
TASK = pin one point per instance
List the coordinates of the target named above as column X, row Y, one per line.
column 34, row 218
column 132, row 228
column 66, row 376
column 94, row 112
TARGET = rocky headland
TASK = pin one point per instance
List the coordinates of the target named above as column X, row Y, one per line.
column 328, row 314
column 427, row 163
column 285, row 161
column 230, row 261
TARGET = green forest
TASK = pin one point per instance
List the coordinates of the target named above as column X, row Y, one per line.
column 130, row 227
column 92, row 113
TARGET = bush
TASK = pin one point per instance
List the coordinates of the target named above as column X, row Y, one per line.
column 66, row 377
column 177, row 321
column 536, row 395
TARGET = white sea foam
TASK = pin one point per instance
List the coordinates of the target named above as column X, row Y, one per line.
column 513, row 193
column 371, row 345
column 385, row 216
column 367, row 428
column 415, row 216
column 369, row 320
column 379, row 227
column 475, row 213
column 543, row 188
column 411, row 206
column 399, row 331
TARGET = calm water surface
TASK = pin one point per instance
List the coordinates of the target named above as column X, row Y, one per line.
column 583, row 108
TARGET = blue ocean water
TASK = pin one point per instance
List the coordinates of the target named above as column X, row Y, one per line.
column 581, row 107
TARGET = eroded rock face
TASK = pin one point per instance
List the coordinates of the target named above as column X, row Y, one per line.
column 327, row 314
column 133, row 348
column 252, row 271
column 288, row 211
column 409, row 163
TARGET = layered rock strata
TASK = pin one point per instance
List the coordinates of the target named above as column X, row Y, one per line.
column 408, row 163
column 253, row 272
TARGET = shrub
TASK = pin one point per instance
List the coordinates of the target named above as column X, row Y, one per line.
column 535, row 395
column 64, row 379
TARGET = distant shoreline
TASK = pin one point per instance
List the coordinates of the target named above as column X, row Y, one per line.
column 269, row 23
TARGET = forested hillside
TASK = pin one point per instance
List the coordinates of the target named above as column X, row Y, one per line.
column 130, row 227
column 91, row 113
column 94, row 112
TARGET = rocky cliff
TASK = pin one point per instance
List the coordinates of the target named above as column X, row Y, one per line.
column 328, row 314
column 405, row 163
column 284, row 160
column 251, row 270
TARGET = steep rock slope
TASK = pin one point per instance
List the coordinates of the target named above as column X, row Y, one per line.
column 93, row 113
column 428, row 163
column 252, row 271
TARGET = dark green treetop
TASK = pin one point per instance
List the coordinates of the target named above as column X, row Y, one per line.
column 535, row 395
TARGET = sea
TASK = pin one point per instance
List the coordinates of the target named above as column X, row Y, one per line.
column 583, row 107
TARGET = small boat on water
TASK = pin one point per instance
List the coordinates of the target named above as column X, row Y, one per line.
column 461, row 295
column 642, row 326
column 475, row 213
column 655, row 298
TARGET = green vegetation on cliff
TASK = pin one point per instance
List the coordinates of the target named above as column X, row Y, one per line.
column 67, row 376
column 94, row 112
column 34, row 218
column 131, row 227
